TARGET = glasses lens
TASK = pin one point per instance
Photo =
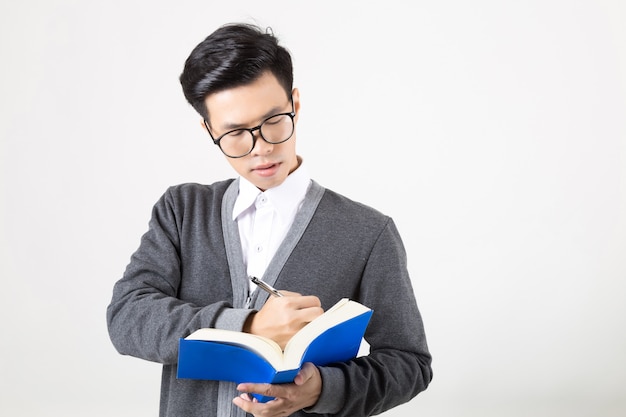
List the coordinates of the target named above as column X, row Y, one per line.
column 237, row 143
column 277, row 129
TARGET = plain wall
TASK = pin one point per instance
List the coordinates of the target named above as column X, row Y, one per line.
column 493, row 132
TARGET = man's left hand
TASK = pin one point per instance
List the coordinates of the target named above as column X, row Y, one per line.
column 289, row 398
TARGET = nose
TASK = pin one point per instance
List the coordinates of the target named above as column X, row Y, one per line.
column 261, row 147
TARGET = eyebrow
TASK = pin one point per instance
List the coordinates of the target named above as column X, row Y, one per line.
column 273, row 111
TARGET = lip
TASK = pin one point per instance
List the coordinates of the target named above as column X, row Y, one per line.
column 266, row 170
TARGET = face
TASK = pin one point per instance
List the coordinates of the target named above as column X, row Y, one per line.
column 268, row 165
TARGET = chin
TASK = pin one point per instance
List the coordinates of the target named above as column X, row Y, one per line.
column 270, row 183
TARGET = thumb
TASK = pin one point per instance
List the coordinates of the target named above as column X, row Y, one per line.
column 307, row 372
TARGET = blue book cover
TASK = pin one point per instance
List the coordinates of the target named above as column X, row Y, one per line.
column 224, row 355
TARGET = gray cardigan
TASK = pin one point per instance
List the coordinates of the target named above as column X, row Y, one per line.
column 179, row 280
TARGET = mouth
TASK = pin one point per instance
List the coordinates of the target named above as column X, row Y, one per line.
column 266, row 169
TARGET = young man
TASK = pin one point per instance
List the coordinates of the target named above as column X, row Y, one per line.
column 192, row 266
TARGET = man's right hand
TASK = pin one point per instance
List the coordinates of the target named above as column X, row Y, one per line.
column 281, row 317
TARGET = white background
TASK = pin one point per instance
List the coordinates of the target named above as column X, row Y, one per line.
column 493, row 132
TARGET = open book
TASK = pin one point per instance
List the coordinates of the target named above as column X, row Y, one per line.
column 226, row 355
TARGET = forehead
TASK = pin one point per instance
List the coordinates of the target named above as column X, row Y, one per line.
column 248, row 104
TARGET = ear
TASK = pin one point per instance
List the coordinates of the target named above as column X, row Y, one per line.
column 205, row 127
column 295, row 94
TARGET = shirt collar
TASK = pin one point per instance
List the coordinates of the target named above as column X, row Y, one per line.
column 285, row 198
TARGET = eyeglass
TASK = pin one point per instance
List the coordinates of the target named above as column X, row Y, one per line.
column 238, row 143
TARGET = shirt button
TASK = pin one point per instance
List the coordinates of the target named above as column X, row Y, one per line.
column 259, row 248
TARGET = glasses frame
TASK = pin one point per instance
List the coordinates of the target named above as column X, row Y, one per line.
column 251, row 130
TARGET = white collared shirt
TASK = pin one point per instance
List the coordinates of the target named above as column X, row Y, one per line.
column 265, row 217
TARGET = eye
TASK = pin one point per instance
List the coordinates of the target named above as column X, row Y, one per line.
column 236, row 133
column 273, row 120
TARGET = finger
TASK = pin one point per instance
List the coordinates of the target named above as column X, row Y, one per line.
column 308, row 314
column 307, row 372
column 246, row 402
column 246, row 397
column 262, row 389
column 301, row 302
column 290, row 293
column 242, row 403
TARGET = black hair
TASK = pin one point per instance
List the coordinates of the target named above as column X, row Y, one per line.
column 236, row 54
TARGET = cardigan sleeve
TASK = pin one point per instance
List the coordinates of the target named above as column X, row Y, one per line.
column 399, row 364
column 146, row 316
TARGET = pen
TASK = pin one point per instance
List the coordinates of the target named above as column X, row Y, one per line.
column 266, row 287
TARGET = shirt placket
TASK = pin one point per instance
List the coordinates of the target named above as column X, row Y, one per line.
column 261, row 235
